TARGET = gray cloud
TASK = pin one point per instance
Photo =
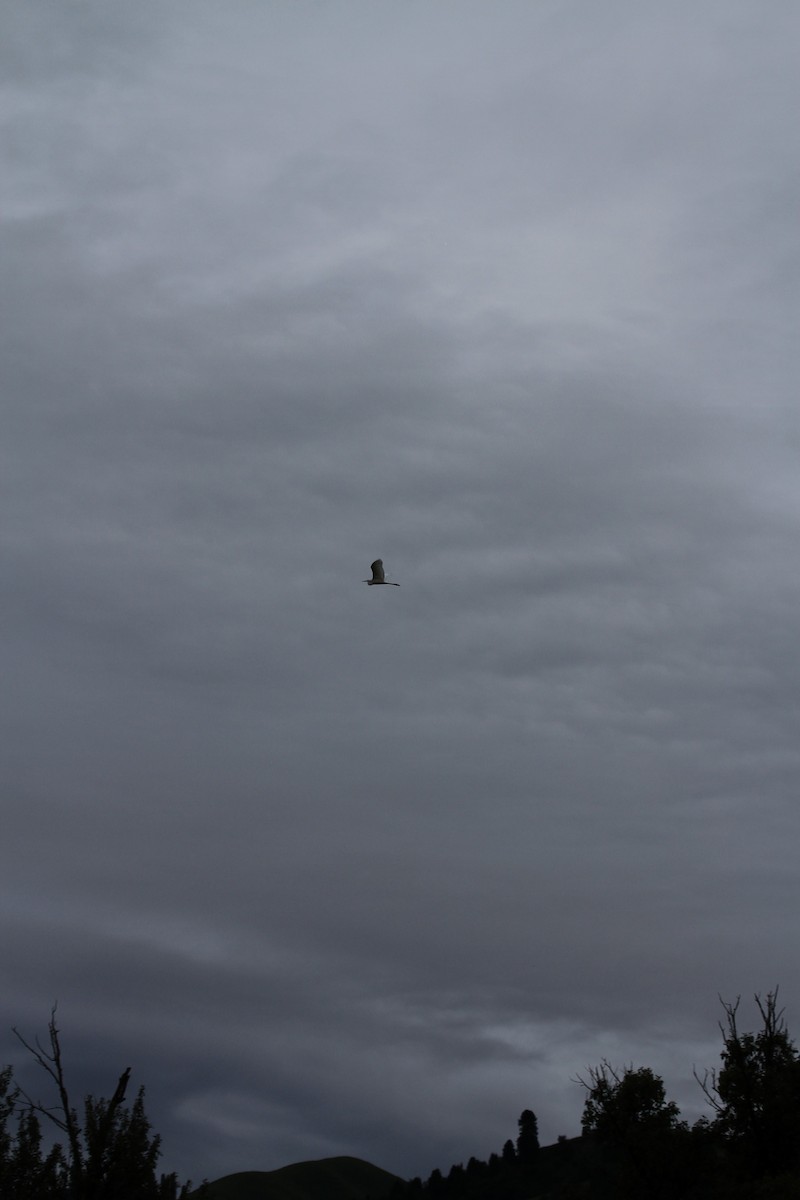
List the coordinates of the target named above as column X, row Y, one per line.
column 510, row 302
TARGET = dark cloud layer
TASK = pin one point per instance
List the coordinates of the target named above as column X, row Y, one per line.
column 508, row 299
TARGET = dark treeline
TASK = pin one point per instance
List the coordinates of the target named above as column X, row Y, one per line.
column 105, row 1150
column 635, row 1144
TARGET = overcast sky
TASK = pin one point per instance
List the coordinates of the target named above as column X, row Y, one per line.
column 506, row 294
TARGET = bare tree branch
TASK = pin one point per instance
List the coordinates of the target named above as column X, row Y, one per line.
column 52, row 1064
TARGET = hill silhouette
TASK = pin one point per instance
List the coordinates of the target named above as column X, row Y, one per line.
column 341, row 1178
column 634, row 1142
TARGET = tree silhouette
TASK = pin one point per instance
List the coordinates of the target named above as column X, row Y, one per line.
column 618, row 1105
column 26, row 1173
column 528, row 1139
column 629, row 1113
column 756, row 1092
column 112, row 1153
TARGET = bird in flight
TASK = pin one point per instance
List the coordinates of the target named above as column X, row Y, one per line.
column 378, row 576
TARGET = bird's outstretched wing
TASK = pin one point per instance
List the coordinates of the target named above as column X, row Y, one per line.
column 377, row 571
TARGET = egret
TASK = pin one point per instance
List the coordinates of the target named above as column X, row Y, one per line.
column 378, row 576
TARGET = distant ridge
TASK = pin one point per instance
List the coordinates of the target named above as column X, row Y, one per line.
column 323, row 1179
